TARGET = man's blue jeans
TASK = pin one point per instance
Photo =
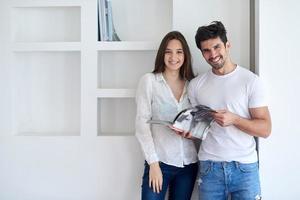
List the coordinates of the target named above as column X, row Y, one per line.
column 180, row 182
column 218, row 180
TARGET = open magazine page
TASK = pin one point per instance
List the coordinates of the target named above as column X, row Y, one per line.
column 161, row 122
column 201, row 129
column 196, row 120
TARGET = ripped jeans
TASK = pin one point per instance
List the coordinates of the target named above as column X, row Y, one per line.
column 221, row 180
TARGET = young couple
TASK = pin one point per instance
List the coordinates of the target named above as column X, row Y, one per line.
column 227, row 158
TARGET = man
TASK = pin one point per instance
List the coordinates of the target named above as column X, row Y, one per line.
column 228, row 159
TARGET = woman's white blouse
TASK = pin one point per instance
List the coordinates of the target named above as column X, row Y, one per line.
column 155, row 100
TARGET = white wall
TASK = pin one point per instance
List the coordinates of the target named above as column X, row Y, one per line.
column 63, row 167
column 69, row 168
column 83, row 167
column 279, row 67
column 5, row 112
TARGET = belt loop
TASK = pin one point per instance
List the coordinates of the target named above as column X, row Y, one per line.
column 236, row 164
column 211, row 164
column 223, row 164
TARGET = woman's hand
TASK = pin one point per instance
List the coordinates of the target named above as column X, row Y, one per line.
column 176, row 130
column 184, row 134
column 155, row 177
column 187, row 135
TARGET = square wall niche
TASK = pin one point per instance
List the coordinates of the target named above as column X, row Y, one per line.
column 123, row 69
column 46, row 93
column 46, row 24
column 116, row 116
column 142, row 20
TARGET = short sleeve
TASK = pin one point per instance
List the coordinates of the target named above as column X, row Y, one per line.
column 257, row 95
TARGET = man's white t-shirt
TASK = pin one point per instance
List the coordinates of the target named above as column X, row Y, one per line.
column 236, row 92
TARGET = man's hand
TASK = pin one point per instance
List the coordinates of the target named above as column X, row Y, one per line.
column 225, row 117
column 155, row 177
column 258, row 125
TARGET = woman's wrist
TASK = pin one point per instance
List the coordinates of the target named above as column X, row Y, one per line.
column 154, row 164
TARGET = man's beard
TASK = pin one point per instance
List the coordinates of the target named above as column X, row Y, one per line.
column 217, row 66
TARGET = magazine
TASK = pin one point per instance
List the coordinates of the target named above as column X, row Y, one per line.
column 106, row 28
column 196, row 120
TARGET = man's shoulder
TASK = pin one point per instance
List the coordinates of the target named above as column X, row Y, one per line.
column 246, row 76
column 246, row 72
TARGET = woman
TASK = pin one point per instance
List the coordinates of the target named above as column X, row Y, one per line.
column 171, row 160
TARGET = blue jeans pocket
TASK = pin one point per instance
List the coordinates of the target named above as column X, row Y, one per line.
column 247, row 168
column 205, row 168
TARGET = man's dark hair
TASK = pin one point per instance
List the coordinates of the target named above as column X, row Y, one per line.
column 213, row 30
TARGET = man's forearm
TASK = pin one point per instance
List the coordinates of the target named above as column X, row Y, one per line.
column 254, row 127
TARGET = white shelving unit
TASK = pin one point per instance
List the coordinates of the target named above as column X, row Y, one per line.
column 46, row 94
column 46, row 70
column 45, row 46
column 65, row 82
column 115, row 93
column 46, row 23
column 127, row 46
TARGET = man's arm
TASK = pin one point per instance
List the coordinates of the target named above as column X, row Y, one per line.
column 259, row 125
